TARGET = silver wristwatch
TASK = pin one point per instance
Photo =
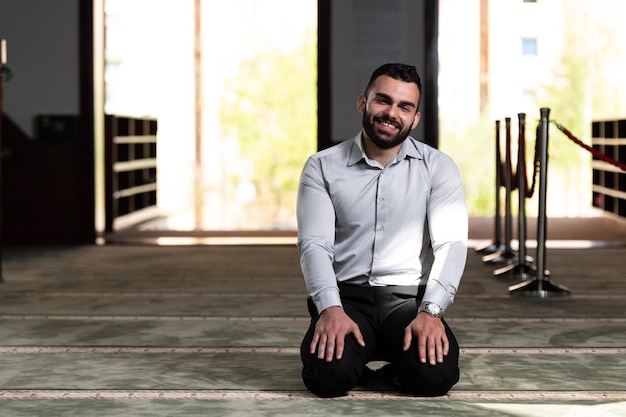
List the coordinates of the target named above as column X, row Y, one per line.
column 432, row 309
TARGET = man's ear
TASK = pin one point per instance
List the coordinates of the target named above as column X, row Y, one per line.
column 360, row 103
column 416, row 120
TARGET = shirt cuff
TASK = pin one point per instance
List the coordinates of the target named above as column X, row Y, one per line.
column 327, row 298
column 443, row 300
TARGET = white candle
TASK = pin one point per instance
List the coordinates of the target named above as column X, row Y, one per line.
column 3, row 59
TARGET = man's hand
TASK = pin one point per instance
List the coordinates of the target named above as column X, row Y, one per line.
column 432, row 341
column 330, row 333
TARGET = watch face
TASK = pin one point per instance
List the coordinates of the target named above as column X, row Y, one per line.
column 433, row 309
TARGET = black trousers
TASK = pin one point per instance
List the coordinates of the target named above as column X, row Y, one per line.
column 382, row 314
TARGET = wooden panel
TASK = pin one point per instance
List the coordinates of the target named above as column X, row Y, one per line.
column 131, row 170
column 609, row 181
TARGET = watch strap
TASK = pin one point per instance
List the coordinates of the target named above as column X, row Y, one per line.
column 432, row 309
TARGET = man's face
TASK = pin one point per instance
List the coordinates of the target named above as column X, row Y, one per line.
column 389, row 111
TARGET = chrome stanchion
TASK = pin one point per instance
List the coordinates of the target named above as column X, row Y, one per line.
column 523, row 267
column 496, row 245
column 506, row 255
column 540, row 286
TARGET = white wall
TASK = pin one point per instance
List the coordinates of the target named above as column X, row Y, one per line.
column 42, row 50
column 366, row 34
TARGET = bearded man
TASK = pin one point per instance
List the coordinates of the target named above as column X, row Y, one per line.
column 382, row 238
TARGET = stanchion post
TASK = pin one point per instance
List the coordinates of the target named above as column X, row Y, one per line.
column 540, row 286
column 496, row 245
column 506, row 255
column 542, row 220
column 522, row 268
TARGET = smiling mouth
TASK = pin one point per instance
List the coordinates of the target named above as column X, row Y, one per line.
column 388, row 124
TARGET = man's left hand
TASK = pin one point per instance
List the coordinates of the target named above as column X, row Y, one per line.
column 432, row 341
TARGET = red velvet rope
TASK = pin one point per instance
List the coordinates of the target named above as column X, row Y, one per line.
column 521, row 165
column 595, row 152
column 529, row 190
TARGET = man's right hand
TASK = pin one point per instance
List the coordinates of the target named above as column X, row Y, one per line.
column 330, row 333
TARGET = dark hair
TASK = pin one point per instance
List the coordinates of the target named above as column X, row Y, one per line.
column 402, row 72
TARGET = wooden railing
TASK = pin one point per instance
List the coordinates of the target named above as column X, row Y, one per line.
column 609, row 182
column 131, row 171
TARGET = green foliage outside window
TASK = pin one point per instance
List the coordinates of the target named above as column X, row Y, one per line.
column 270, row 111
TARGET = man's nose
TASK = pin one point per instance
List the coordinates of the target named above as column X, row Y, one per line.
column 392, row 112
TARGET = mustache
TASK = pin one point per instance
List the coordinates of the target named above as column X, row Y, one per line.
column 393, row 122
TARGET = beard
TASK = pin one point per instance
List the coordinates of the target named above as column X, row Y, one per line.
column 381, row 138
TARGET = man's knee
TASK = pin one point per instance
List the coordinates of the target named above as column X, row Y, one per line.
column 330, row 379
column 428, row 380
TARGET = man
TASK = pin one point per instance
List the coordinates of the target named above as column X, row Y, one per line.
column 382, row 237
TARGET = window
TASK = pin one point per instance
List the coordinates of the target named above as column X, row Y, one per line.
column 529, row 46
column 258, row 74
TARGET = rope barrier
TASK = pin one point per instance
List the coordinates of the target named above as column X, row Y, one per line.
column 506, row 254
column 540, row 284
column 529, row 191
column 496, row 245
column 521, row 266
column 595, row 152
column 535, row 278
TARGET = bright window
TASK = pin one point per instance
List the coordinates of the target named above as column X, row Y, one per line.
column 491, row 69
column 529, row 46
column 233, row 139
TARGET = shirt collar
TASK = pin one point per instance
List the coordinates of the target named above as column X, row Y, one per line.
column 409, row 149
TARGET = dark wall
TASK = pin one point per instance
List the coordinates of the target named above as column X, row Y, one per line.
column 357, row 37
column 47, row 129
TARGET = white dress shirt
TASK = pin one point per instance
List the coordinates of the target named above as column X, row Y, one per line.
column 364, row 224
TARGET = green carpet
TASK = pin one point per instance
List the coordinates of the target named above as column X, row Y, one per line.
column 132, row 330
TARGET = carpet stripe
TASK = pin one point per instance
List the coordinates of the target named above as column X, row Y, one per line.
column 191, row 294
column 211, row 395
column 534, row 320
column 518, row 320
column 186, row 350
column 119, row 294
column 70, row 317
